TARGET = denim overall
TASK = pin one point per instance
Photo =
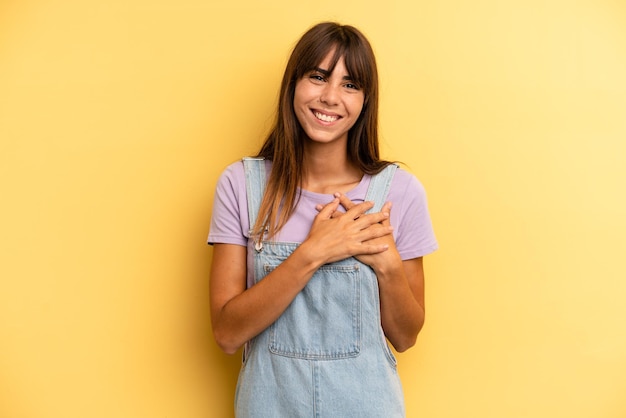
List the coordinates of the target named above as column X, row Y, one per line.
column 326, row 355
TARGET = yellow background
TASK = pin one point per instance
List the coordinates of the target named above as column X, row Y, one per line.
column 117, row 116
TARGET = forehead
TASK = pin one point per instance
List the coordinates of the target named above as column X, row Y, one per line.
column 333, row 60
column 330, row 63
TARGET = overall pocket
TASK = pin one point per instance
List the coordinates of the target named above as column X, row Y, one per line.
column 324, row 321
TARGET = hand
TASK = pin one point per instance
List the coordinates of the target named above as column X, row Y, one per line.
column 335, row 235
column 375, row 260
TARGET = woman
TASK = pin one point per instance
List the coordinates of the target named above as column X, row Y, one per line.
column 312, row 271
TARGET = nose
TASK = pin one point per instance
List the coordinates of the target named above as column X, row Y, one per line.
column 330, row 94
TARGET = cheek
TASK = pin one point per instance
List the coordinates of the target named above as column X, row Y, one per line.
column 300, row 117
column 296, row 103
column 300, row 92
column 299, row 99
column 357, row 106
column 299, row 110
column 361, row 107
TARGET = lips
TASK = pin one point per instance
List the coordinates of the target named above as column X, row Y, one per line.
column 324, row 117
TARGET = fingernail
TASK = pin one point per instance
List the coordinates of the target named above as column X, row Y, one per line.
column 337, row 194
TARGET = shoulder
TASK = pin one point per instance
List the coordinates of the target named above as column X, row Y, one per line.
column 230, row 192
column 236, row 171
column 233, row 172
column 234, row 176
column 406, row 185
column 231, row 184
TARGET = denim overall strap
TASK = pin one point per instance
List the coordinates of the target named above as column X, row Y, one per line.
column 255, row 185
column 379, row 187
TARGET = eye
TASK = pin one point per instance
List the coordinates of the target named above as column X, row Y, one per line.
column 352, row 86
column 316, row 77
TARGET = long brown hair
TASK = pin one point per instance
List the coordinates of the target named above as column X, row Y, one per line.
column 284, row 145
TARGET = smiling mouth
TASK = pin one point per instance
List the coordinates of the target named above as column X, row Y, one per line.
column 325, row 118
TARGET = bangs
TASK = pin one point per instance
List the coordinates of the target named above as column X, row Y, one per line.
column 357, row 55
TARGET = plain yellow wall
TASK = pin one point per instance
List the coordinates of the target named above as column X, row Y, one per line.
column 116, row 118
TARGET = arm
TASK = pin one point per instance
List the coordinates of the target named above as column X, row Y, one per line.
column 239, row 314
column 402, row 302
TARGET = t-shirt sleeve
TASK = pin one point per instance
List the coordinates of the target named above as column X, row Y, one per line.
column 229, row 219
column 414, row 230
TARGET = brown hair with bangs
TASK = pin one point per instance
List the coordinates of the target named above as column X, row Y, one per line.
column 284, row 145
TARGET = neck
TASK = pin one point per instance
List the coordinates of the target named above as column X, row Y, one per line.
column 327, row 169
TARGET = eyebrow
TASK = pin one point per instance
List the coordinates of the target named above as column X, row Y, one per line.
column 327, row 73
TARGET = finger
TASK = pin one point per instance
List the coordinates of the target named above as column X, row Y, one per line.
column 345, row 201
column 326, row 211
column 386, row 209
column 357, row 210
column 373, row 249
column 336, row 214
column 371, row 219
column 375, row 231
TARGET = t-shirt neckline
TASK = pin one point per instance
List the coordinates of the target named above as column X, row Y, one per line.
column 355, row 192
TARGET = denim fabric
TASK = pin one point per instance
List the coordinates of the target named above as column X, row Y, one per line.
column 326, row 355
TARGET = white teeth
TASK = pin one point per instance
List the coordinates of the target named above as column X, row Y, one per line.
column 325, row 118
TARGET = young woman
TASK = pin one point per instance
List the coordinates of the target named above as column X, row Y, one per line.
column 313, row 270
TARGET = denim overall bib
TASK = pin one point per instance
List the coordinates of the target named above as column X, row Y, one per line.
column 326, row 356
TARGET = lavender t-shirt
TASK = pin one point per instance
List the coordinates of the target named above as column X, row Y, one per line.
column 413, row 230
